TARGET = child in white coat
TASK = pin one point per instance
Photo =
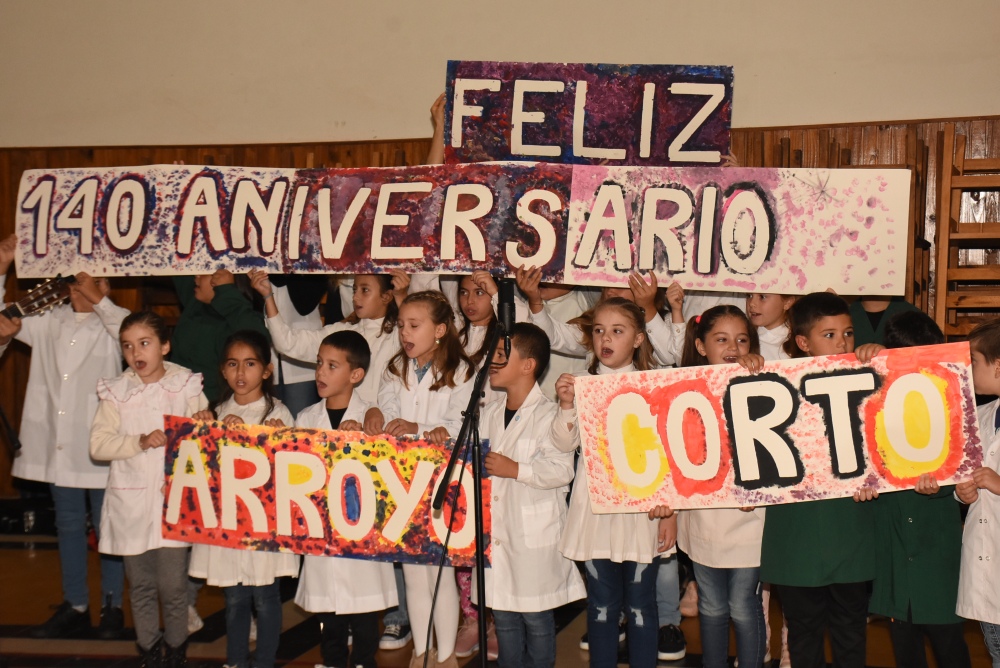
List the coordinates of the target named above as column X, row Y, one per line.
column 424, row 391
column 249, row 578
column 619, row 550
column 128, row 432
column 346, row 593
column 528, row 577
column 72, row 347
column 978, row 588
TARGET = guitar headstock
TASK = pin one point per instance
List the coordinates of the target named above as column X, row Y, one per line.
column 44, row 297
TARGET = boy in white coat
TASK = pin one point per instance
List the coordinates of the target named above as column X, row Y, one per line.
column 346, row 593
column 529, row 576
column 72, row 347
column 978, row 588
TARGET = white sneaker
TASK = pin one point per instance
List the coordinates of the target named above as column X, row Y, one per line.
column 195, row 622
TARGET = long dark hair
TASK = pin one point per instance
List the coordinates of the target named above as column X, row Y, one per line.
column 699, row 326
column 477, row 357
column 261, row 348
column 449, row 355
column 391, row 310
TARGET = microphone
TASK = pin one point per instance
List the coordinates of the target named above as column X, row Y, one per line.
column 505, row 310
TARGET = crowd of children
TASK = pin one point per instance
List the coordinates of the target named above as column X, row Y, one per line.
column 403, row 363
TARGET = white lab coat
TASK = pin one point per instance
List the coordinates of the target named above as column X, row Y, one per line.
column 528, row 573
column 224, row 566
column 563, row 309
column 131, row 517
column 340, row 584
column 978, row 585
column 417, row 403
column 303, row 344
column 289, row 369
column 721, row 537
column 68, row 357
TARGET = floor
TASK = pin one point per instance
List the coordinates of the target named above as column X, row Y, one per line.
column 29, row 586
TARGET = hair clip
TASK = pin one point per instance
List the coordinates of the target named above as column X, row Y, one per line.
column 697, row 320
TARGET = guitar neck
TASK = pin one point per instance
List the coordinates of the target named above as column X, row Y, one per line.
column 12, row 311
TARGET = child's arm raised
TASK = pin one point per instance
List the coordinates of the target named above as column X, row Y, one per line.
column 565, row 434
column 233, row 306
column 436, row 154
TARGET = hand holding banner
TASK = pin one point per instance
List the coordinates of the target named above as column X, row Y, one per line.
column 801, row 430
column 311, row 491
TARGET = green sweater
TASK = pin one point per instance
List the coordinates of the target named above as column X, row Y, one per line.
column 203, row 328
column 863, row 332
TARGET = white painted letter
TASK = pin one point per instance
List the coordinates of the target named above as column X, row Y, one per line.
column 334, row 248
column 653, row 228
column 579, row 121
column 234, row 488
column 189, row 454
column 366, row 498
column 464, row 535
column 40, row 198
column 406, row 499
column 287, row 492
column 839, row 414
column 895, row 418
column 762, row 430
column 745, row 225
column 383, row 218
column 84, row 199
column 461, row 110
column 452, row 219
column 137, row 211
column 295, row 221
column 546, row 233
column 612, row 194
column 706, row 229
column 632, row 406
column 646, row 129
column 247, row 197
column 716, row 92
column 203, row 189
column 518, row 117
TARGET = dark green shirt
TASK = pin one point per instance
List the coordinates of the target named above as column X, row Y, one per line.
column 863, row 331
column 203, row 328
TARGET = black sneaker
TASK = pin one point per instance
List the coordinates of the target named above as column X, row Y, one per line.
column 585, row 640
column 65, row 623
column 112, row 621
column 671, row 644
column 395, row 636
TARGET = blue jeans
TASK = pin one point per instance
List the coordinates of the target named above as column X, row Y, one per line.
column 398, row 614
column 266, row 601
column 668, row 592
column 526, row 639
column 611, row 588
column 725, row 593
column 991, row 632
column 71, row 527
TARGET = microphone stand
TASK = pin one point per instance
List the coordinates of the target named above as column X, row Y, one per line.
column 470, row 428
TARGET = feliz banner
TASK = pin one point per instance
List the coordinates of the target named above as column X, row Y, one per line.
column 801, row 430
column 311, row 491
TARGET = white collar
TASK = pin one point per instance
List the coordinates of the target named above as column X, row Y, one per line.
column 603, row 370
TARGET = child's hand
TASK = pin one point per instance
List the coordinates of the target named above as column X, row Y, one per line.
column 566, row 391
column 866, row 493
column 7, row 248
column 232, row 420
column 400, row 427
column 748, row 509
column 499, row 466
column 374, row 422
column 866, row 352
column 350, row 425
column 204, row 416
column 644, row 293
column 485, row 282
column 9, row 327
column 260, row 282
column 436, row 154
column 926, row 484
column 274, row 422
column 154, row 439
column 437, row 435
column 529, row 282
column 986, row 478
column 675, row 300
column 967, row 491
column 400, row 285
column 437, row 114
column 87, row 286
column 659, row 512
column 752, row 362
column 666, row 534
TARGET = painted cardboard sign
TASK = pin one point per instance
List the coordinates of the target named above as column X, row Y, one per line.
column 588, row 113
column 311, row 491
column 801, row 430
column 789, row 231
